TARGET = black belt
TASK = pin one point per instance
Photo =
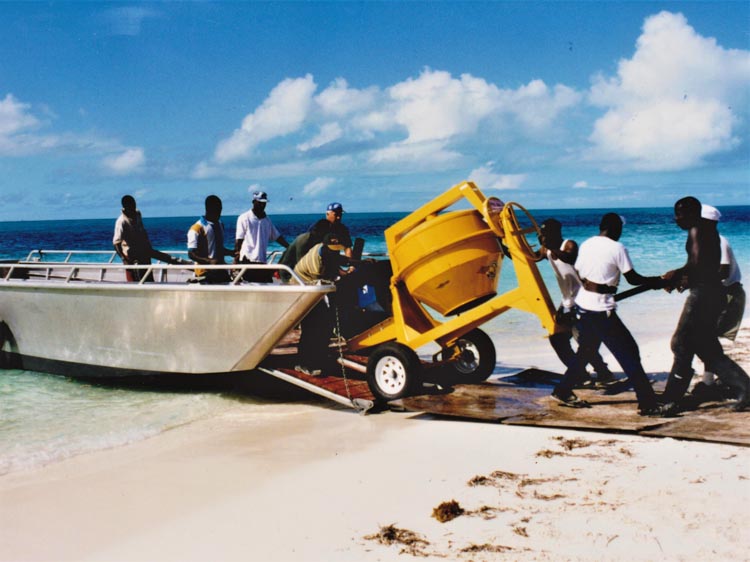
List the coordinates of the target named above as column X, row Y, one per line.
column 599, row 288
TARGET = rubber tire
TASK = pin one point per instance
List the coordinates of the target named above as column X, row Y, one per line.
column 480, row 344
column 393, row 371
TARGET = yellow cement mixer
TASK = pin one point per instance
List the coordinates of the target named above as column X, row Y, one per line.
column 446, row 267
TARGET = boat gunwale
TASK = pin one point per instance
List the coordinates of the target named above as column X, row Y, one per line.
column 72, row 281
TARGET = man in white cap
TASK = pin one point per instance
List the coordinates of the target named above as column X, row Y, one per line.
column 254, row 231
column 731, row 314
column 731, row 277
column 696, row 331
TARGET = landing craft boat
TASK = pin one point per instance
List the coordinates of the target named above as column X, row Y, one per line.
column 63, row 315
column 64, row 312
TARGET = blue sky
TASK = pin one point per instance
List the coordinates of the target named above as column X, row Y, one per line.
column 379, row 105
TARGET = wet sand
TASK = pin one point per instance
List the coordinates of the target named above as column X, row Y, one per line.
column 309, row 481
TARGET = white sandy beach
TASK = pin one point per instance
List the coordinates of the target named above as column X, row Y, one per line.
column 314, row 482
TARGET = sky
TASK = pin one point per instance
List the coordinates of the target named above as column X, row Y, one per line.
column 378, row 105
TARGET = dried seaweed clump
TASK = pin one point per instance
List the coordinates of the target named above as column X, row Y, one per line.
column 390, row 534
column 502, row 475
column 481, row 481
column 477, row 548
column 447, row 511
column 570, row 444
column 548, row 453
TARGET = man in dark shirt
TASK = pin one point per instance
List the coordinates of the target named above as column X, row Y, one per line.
column 331, row 224
column 696, row 332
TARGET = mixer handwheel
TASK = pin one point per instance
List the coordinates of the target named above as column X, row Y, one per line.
column 393, row 371
column 522, row 232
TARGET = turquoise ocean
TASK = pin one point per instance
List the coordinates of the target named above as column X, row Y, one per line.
column 46, row 418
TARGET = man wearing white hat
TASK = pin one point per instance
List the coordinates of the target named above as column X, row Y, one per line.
column 730, row 318
column 254, row 231
column 696, row 331
column 731, row 277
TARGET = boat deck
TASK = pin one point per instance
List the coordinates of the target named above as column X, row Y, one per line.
column 522, row 398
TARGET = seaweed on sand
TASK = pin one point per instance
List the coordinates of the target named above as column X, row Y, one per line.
column 389, row 535
column 493, row 479
column 477, row 548
column 577, row 443
column 481, row 481
column 447, row 511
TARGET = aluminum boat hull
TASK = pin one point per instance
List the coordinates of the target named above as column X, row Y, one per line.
column 91, row 328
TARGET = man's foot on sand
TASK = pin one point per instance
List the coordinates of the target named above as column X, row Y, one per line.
column 570, row 401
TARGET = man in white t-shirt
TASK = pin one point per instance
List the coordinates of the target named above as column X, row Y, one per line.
column 601, row 261
column 562, row 255
column 254, row 231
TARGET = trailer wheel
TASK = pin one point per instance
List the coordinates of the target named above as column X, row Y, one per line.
column 393, row 371
column 477, row 357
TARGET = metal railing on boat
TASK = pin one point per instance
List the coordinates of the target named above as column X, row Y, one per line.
column 66, row 268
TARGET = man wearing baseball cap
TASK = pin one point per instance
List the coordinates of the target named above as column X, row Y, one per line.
column 331, row 224
column 254, row 231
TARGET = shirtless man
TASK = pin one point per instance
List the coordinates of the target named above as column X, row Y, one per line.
column 696, row 332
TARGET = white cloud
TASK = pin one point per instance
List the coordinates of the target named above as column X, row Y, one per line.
column 423, row 154
column 328, row 133
column 536, row 105
column 129, row 161
column 15, row 117
column 284, row 111
column 485, row 178
column 289, row 169
column 674, row 103
column 419, row 121
column 585, row 185
column 318, row 186
column 339, row 99
column 436, row 106
column 22, row 133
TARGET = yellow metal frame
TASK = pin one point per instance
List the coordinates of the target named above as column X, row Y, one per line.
column 411, row 323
